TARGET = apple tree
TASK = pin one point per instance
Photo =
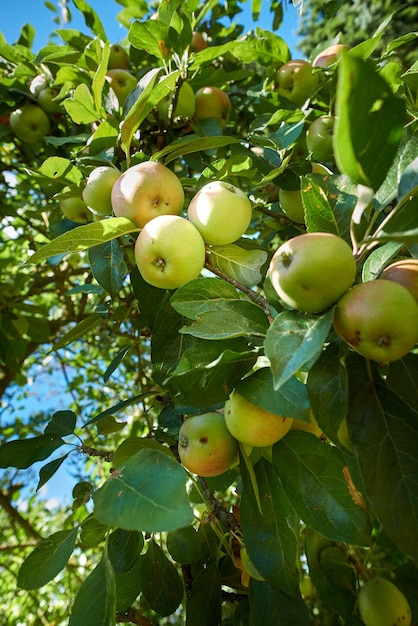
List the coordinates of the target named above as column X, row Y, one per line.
column 216, row 245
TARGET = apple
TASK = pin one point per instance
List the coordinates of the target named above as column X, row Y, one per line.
column 310, row 272
column 46, row 100
column 329, row 55
column 145, row 191
column 198, row 43
column 381, row 603
column 29, row 123
column 378, row 319
column 310, row 427
column 296, row 80
column 118, row 57
column 75, row 209
column 185, row 105
column 404, row 272
column 122, row 82
column 319, row 138
column 206, row 446
column 291, row 200
column 251, row 424
column 98, row 189
column 221, row 212
column 169, row 251
column 212, row 102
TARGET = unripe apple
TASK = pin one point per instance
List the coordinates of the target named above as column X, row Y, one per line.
column 118, row 57
column 29, row 123
column 122, row 82
column 251, row 424
column 98, row 189
column 198, row 43
column 296, row 80
column 330, row 55
column 206, row 446
column 169, row 251
column 75, row 209
column 212, row 102
column 404, row 272
column 221, row 212
column 291, row 200
column 381, row 603
column 145, row 191
column 319, row 138
column 310, row 272
column 378, row 319
column 185, row 105
column 46, row 100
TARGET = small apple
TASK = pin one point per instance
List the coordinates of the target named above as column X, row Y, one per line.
column 310, row 272
column 296, row 80
column 46, row 100
column 310, row 427
column 378, row 319
column 329, row 55
column 206, row 446
column 29, row 123
column 291, row 200
column 145, row 191
column 98, row 189
column 75, row 209
column 198, row 43
column 122, row 82
column 169, row 251
column 381, row 603
column 251, row 424
column 118, row 57
column 185, row 105
column 319, row 138
column 212, row 102
column 221, row 212
column 404, row 272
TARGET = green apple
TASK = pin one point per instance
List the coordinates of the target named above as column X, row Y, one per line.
column 46, row 100
column 296, row 80
column 185, row 105
column 75, row 209
column 145, row 191
column 319, row 138
column 206, row 446
column 378, row 319
column 329, row 55
column 221, row 212
column 118, row 58
column 310, row 272
column 122, row 82
column 404, row 272
column 98, row 189
column 29, row 123
column 212, row 102
column 169, row 251
column 291, row 200
column 251, row 424
column 381, row 603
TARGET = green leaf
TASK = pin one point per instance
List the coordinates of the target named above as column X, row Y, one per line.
column 107, row 262
column 22, row 453
column 369, row 123
column 62, row 423
column 58, row 168
column 236, row 318
column 132, row 445
column 378, row 259
column 123, row 548
column 269, row 605
column 128, row 587
column 191, row 144
column 47, row 471
column 401, row 225
column 319, row 216
column 119, row 406
column 80, row 107
column 95, row 602
column 184, row 545
column 167, row 344
column 147, row 493
column 91, row 18
column 242, row 265
column 403, row 378
column 294, row 340
column 201, row 295
column 152, row 36
column 92, row 532
column 79, row 330
column 47, row 559
column 203, row 604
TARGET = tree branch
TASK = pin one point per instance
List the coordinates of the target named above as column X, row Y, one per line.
column 16, row 516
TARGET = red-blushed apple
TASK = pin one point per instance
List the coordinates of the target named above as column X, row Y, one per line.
column 319, row 138
column 221, row 212
column 310, row 272
column 169, row 251
column 381, row 603
column 378, row 319
column 118, row 57
column 329, row 55
column 296, row 80
column 404, row 272
column 145, row 191
column 251, row 424
column 75, row 209
column 310, row 427
column 29, row 123
column 122, row 82
column 98, row 189
column 184, row 108
column 212, row 102
column 206, row 446
column 198, row 43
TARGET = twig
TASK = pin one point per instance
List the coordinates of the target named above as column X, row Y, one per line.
column 222, row 514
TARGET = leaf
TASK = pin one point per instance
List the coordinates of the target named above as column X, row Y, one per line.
column 128, row 587
column 402, row 378
column 201, row 295
column 119, row 406
column 47, row 559
column 312, row 474
column 83, row 237
column 167, row 343
column 107, row 262
column 191, row 144
column 117, row 360
column 58, row 168
column 242, row 265
column 62, row 423
column 319, row 216
column 400, row 225
column 22, row 453
column 47, row 471
column 231, row 319
column 152, row 36
column 184, row 545
column 269, row 605
column 95, row 602
column 365, row 105
column 378, row 259
column 294, row 340
column 79, row 330
column 91, row 18
column 92, row 532
column 147, row 493
column 123, row 548
column 203, row 603
column 80, row 106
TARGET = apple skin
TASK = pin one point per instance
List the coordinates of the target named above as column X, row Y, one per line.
column 29, row 123
column 251, row 424
column 118, row 58
column 319, row 138
column 198, row 43
column 46, row 100
column 169, row 251
column 122, row 82
column 221, row 212
column 145, row 191
column 206, row 446
column 98, row 189
column 75, row 209
column 329, row 55
column 404, row 272
column 212, row 102
column 378, row 319
column 381, row 603
column 185, row 105
column 296, row 80
column 291, row 200
column 310, row 272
